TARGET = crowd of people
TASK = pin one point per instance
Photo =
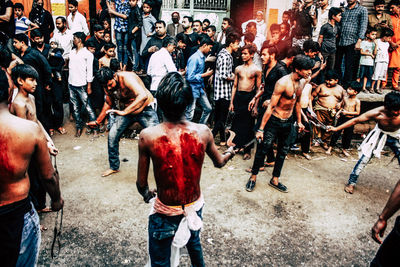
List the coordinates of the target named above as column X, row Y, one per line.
column 294, row 82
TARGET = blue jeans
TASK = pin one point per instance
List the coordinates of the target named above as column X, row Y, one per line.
column 147, row 118
column 30, row 240
column 122, row 44
column 134, row 56
column 79, row 100
column 162, row 229
column 391, row 142
column 205, row 105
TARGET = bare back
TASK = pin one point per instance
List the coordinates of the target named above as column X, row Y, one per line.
column 24, row 107
column 386, row 122
column 249, row 77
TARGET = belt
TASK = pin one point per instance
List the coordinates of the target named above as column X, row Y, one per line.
column 281, row 120
column 302, row 37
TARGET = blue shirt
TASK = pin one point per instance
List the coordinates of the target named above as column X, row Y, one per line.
column 121, row 25
column 195, row 68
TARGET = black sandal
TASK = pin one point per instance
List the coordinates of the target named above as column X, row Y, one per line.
column 250, row 185
column 279, row 187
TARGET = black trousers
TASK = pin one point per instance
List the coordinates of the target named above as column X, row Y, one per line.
column 351, row 63
column 55, row 96
column 347, row 134
column 220, row 114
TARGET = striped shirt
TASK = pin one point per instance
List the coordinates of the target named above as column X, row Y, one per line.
column 223, row 70
column 21, row 25
column 353, row 25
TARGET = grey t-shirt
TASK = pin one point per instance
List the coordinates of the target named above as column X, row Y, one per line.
column 329, row 38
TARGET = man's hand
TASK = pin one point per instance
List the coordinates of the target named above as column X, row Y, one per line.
column 89, row 90
column 57, row 205
column 378, row 229
column 210, row 58
column 231, row 108
column 209, row 72
column 331, row 129
column 260, row 135
column 153, row 49
column 231, row 151
column 116, row 111
column 52, row 148
column 92, row 124
column 47, row 87
column 301, row 127
column 266, row 103
column 252, row 103
column 358, row 45
column 254, row 112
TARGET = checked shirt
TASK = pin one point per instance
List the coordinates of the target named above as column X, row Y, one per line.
column 353, row 25
column 224, row 65
column 121, row 25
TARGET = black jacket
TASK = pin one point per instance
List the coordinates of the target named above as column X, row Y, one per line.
column 135, row 19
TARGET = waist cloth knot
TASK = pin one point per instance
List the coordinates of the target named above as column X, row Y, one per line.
column 375, row 141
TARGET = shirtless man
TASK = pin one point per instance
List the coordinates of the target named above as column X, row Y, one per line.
column 22, row 142
column 126, row 91
column 388, row 123
column 306, row 103
column 329, row 100
column 247, row 82
column 177, row 148
column 277, row 122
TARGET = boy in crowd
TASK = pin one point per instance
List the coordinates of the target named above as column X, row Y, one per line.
column 149, row 23
column 109, row 50
column 368, row 52
column 381, row 59
column 351, row 107
column 327, row 37
column 135, row 22
column 22, row 23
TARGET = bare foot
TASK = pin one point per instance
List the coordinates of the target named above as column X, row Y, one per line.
column 45, row 210
column 306, row 155
column 349, row 189
column 246, row 156
column 222, row 143
column 324, row 146
column 345, row 153
column 42, row 228
column 109, row 172
column 329, row 151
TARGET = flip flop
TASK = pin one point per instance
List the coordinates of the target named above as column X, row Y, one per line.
column 62, row 130
column 250, row 185
column 51, row 132
column 279, row 187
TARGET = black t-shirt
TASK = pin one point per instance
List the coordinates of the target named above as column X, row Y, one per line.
column 9, row 26
column 329, row 40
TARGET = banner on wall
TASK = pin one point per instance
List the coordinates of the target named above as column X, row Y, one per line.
column 58, row 7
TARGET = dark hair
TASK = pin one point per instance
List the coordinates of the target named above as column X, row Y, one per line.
column 19, row 5
column 249, row 36
column 371, row 29
column 212, row 27
column 63, row 19
column 302, row 62
column 175, row 12
column 387, row 32
column 149, row 3
column 232, row 38
column 160, row 22
column 81, row 36
column 73, row 2
column 90, row 43
column 310, row 45
column 36, row 33
column 168, row 41
column 207, row 20
column 356, row 86
column 251, row 48
column 229, row 20
column 4, row 85
column 183, row 38
column 272, row 49
column 392, row 101
column 379, row 2
column 205, row 40
column 21, row 37
column 173, row 96
column 331, row 75
column 293, row 51
column 199, row 21
column 115, row 65
column 334, row 11
column 5, row 57
column 251, row 24
column 23, row 71
column 108, row 46
column 98, row 27
column 286, row 12
column 190, row 19
column 287, row 25
column 103, row 75
column 274, row 27
column 394, row 3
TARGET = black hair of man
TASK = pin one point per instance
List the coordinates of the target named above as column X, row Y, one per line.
column 3, row 86
column 81, row 36
column 36, row 33
column 183, row 38
column 249, row 36
column 161, row 22
column 189, row 18
column 23, row 71
column 232, row 38
column 334, row 11
column 331, row 75
column 149, row 3
column 251, row 48
column 302, row 62
column 5, row 57
column 63, row 19
column 356, row 86
column 73, row 2
column 394, row 3
column 272, row 49
column 212, row 27
column 115, row 65
column 104, row 75
column 90, row 43
column 311, row 45
column 22, row 37
column 287, row 13
column 168, row 41
column 207, row 20
column 387, row 32
column 109, row 46
column 19, row 5
column 392, row 101
column 287, row 25
column 251, row 24
column 205, row 40
column 292, row 52
column 379, row 2
column 274, row 27
column 173, row 96
column 175, row 12
column 229, row 20
column 98, row 27
column 199, row 21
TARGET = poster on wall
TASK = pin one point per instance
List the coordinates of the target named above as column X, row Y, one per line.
column 58, row 7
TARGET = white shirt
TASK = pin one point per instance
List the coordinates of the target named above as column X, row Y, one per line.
column 65, row 41
column 382, row 51
column 261, row 26
column 321, row 20
column 160, row 64
column 80, row 67
column 79, row 23
column 258, row 41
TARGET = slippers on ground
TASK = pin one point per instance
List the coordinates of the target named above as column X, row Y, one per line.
column 250, row 169
column 62, row 130
column 269, row 164
column 349, row 189
column 246, row 156
column 279, row 187
column 51, row 132
column 250, row 185
column 109, row 172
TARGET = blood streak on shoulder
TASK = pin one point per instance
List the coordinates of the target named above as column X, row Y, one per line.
column 6, row 168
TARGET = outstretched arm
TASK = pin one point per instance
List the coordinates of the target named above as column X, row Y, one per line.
column 370, row 115
column 217, row 158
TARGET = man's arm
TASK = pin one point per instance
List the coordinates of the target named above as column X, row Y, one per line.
column 143, row 168
column 192, row 76
column 107, row 105
column 89, row 72
column 363, row 23
column 234, row 88
column 392, row 205
column 7, row 16
column 370, row 115
column 140, row 99
column 217, row 158
column 253, row 104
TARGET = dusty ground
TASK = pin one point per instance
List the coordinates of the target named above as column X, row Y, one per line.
column 315, row 224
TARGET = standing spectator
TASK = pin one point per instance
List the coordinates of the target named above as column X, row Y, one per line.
column 120, row 9
column 76, row 21
column 80, row 81
column 22, row 23
column 43, row 18
column 155, row 42
column 368, row 52
column 156, row 9
column 7, row 18
column 194, row 75
column 109, row 53
column 63, row 36
column 352, row 31
column 322, row 18
column 187, row 23
column 175, row 27
column 135, row 23
column 147, row 31
column 328, row 35
column 223, row 82
column 379, row 19
column 206, row 23
column 258, row 37
column 98, row 40
column 38, row 43
column 178, row 56
column 198, row 26
column 226, row 23
column 259, row 21
column 381, row 59
column 394, row 63
column 305, row 18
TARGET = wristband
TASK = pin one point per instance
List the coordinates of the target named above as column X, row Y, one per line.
column 98, row 124
column 260, row 130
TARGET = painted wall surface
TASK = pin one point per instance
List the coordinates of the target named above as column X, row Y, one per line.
column 275, row 10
